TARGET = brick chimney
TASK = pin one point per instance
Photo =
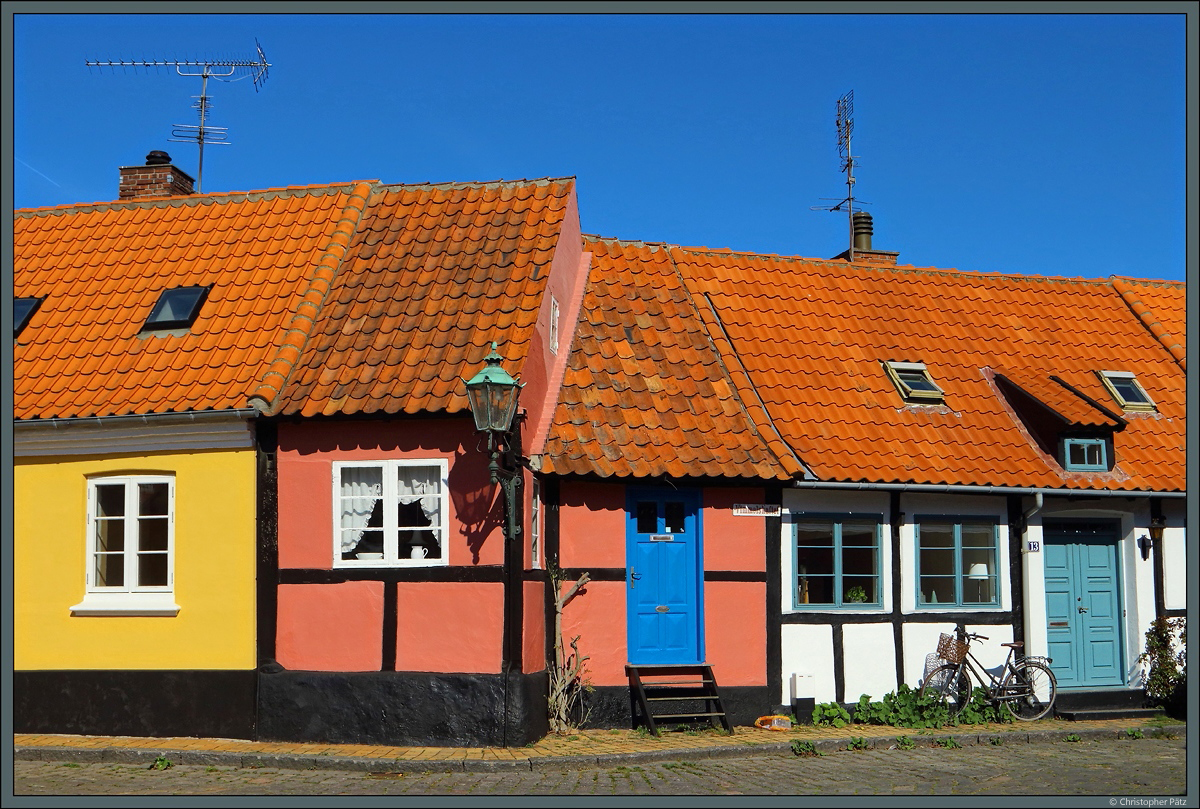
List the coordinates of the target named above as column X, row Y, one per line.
column 158, row 178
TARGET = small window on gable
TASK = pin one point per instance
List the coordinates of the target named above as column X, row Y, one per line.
column 1085, row 455
column 913, row 382
column 23, row 309
column 176, row 308
column 1125, row 389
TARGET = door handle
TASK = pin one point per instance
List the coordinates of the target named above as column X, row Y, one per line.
column 1083, row 609
column 633, row 576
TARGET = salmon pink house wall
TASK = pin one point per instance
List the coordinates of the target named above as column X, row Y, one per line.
column 409, row 647
column 592, row 520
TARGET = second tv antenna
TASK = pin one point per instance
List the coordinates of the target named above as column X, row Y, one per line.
column 219, row 69
column 845, row 131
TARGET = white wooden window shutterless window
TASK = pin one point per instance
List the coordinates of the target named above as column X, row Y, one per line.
column 130, row 546
column 390, row 513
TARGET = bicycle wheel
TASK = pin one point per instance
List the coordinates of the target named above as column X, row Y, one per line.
column 1029, row 691
column 949, row 685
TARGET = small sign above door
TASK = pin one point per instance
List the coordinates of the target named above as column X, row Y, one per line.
column 756, row 510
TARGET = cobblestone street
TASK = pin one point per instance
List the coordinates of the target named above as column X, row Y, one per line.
column 1141, row 768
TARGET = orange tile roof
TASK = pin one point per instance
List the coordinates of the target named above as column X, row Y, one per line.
column 814, row 335
column 325, row 299
column 1162, row 307
column 646, row 392
column 434, row 275
column 101, row 268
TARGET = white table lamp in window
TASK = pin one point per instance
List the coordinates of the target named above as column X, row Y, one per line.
column 979, row 573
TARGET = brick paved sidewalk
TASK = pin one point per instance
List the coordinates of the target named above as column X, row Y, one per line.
column 586, row 748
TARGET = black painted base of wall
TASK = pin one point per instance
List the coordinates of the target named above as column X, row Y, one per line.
column 403, row 708
column 135, row 703
column 610, row 706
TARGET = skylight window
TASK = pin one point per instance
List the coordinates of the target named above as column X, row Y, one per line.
column 23, row 309
column 913, row 382
column 176, row 308
column 1125, row 389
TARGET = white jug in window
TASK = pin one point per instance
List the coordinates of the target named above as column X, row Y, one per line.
column 419, row 552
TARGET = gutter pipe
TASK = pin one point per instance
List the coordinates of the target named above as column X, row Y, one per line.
column 143, row 418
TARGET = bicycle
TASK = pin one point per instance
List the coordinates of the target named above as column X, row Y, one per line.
column 1025, row 686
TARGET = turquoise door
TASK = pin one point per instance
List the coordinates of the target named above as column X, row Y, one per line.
column 663, row 577
column 1083, row 603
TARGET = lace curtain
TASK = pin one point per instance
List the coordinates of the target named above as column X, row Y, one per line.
column 421, row 483
column 362, row 488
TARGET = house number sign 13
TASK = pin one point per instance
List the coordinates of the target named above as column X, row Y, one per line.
column 1033, row 546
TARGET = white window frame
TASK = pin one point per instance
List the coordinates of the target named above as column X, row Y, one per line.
column 391, row 553
column 1107, row 378
column 128, row 598
column 535, row 525
column 554, row 317
column 910, row 394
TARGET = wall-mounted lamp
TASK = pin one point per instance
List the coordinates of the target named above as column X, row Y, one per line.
column 492, row 395
column 1146, row 543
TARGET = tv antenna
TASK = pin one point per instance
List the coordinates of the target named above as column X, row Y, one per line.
column 220, row 69
column 845, row 130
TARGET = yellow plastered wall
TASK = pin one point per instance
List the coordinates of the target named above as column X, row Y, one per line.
column 214, row 566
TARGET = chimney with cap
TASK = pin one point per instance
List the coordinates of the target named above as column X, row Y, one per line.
column 863, row 230
column 158, row 178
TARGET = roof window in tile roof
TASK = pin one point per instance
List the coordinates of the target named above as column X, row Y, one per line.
column 1125, row 389
column 176, row 308
column 23, row 309
column 914, row 384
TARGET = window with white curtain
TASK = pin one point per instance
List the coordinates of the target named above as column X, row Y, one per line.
column 389, row 513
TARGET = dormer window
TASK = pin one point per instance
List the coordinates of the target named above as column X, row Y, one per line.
column 1125, row 389
column 1085, row 455
column 176, row 308
column 23, row 309
column 913, row 382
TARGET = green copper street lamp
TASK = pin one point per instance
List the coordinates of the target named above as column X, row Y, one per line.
column 492, row 395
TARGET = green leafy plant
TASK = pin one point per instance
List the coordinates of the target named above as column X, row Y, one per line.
column 1074, row 737
column 857, row 743
column 980, row 710
column 161, row 763
column 1134, row 733
column 800, row 748
column 1165, row 662
column 905, row 743
column 949, row 743
column 856, row 595
column 830, row 715
column 71, row 764
column 996, row 741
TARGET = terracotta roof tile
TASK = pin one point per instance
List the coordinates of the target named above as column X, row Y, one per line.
column 1162, row 308
column 645, row 391
column 813, row 336
column 102, row 267
column 436, row 273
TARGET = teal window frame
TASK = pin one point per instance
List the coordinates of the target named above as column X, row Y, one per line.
column 1070, row 466
column 838, row 575
column 961, row 565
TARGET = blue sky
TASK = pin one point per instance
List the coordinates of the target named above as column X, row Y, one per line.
column 1047, row 144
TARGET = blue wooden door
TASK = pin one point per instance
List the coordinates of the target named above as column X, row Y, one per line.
column 663, row 577
column 1083, row 603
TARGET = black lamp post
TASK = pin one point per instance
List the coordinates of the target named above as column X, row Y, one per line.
column 492, row 395
column 1146, row 543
